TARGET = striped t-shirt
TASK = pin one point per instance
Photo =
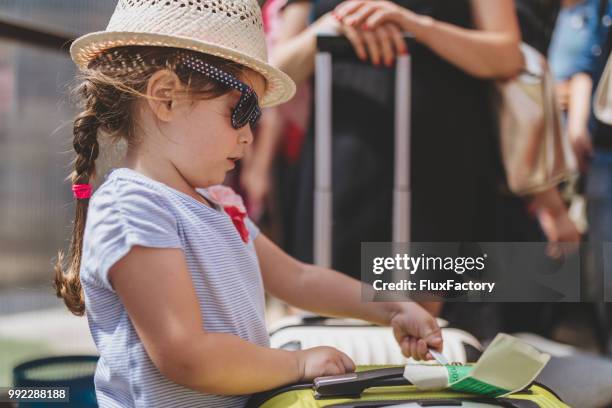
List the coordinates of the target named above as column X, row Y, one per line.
column 131, row 209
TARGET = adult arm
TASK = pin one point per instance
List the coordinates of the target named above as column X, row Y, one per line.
column 490, row 50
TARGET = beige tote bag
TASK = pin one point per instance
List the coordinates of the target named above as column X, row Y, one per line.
column 602, row 105
column 535, row 150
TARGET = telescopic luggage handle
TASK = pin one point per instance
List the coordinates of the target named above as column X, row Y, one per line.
column 339, row 46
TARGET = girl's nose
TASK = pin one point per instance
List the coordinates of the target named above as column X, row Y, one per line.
column 245, row 135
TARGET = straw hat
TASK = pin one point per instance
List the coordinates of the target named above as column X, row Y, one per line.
column 230, row 29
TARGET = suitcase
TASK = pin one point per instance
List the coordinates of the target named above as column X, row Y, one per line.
column 386, row 387
column 364, row 343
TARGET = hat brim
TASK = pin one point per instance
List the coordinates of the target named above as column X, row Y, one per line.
column 280, row 88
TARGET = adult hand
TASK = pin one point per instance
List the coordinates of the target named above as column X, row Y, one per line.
column 580, row 139
column 563, row 95
column 370, row 14
column 559, row 228
column 380, row 45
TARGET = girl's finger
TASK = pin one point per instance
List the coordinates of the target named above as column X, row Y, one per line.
column 422, row 349
column 349, row 365
column 398, row 334
column 340, row 365
column 413, row 348
column 408, row 350
column 372, row 46
column 386, row 45
column 432, row 334
column 397, row 38
column 332, row 368
column 405, row 347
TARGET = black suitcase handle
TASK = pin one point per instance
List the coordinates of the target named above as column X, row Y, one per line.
column 353, row 384
column 340, row 46
column 337, row 386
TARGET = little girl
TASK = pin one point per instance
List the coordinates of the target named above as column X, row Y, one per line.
column 164, row 261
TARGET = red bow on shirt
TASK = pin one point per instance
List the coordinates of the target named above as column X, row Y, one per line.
column 234, row 207
column 237, row 218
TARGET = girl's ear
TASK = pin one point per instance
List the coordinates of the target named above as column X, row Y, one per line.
column 161, row 94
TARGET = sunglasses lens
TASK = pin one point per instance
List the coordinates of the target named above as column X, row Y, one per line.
column 247, row 111
column 255, row 117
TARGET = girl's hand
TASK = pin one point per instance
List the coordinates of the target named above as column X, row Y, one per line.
column 381, row 44
column 369, row 14
column 322, row 361
column 433, row 308
column 416, row 331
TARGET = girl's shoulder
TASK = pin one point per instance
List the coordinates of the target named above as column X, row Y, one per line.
column 126, row 210
column 121, row 182
column 127, row 201
column 125, row 190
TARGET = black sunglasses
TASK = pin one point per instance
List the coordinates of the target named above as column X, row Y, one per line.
column 247, row 110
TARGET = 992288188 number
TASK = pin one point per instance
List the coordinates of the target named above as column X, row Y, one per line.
column 39, row 394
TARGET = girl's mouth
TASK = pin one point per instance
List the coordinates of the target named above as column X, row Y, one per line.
column 232, row 161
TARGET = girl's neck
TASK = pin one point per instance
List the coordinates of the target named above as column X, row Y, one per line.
column 164, row 172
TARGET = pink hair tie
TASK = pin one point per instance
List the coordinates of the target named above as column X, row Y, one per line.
column 81, row 191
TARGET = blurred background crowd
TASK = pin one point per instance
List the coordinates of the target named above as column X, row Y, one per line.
column 459, row 189
column 458, row 180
